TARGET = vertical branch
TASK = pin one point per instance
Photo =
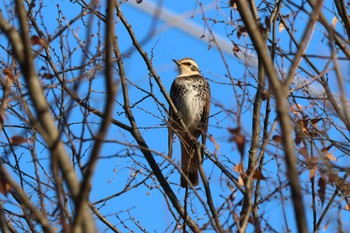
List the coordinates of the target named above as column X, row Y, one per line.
column 107, row 116
column 266, row 135
column 256, row 129
column 282, row 110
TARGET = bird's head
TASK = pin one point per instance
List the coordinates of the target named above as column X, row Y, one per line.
column 187, row 67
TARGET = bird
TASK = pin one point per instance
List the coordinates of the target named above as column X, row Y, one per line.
column 190, row 93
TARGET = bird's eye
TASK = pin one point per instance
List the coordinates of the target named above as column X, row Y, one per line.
column 187, row 63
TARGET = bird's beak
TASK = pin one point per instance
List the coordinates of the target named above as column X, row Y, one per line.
column 177, row 63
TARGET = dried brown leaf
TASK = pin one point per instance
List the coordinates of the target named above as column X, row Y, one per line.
column 36, row 40
column 322, row 189
column 233, row 4
column 262, row 29
column 241, row 31
column 347, row 207
column 238, row 138
column 296, row 109
column 281, row 26
column 265, row 95
column 5, row 186
column 17, row 140
column 333, row 177
column 297, row 139
column 258, row 175
column 304, row 152
column 234, row 130
column 251, row 220
column 303, row 124
column 326, row 149
column 239, row 84
column 47, row 76
column 240, row 181
column 315, row 120
column 240, row 141
column 330, row 156
column 345, row 188
column 311, row 161
column 8, row 74
column 312, row 173
column 334, row 21
column 277, row 139
column 235, row 48
column 300, row 129
column 325, row 228
column 239, row 168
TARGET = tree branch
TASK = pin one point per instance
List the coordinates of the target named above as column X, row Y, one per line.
column 282, row 109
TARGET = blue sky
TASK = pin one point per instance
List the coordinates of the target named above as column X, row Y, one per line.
column 146, row 204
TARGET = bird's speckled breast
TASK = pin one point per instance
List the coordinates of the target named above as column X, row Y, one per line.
column 189, row 96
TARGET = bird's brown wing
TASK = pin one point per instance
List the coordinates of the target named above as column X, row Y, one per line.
column 205, row 116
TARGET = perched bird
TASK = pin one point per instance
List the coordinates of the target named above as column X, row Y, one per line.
column 190, row 93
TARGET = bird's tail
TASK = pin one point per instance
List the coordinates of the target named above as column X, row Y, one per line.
column 189, row 165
